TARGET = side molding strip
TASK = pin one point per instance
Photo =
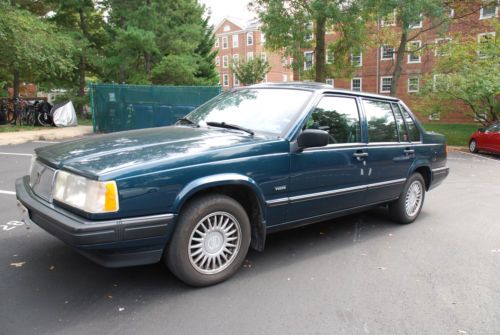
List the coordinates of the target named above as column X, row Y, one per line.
column 325, row 194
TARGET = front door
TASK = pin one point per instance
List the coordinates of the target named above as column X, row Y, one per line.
column 328, row 179
column 390, row 149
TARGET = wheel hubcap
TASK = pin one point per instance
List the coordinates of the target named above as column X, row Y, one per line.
column 214, row 243
column 472, row 146
column 413, row 199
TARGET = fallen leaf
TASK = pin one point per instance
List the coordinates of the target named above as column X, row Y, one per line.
column 321, row 233
column 17, row 265
column 382, row 268
column 52, row 268
column 110, row 297
column 461, row 331
column 288, row 278
column 121, row 309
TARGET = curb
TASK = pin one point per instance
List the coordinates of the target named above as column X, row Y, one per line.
column 50, row 134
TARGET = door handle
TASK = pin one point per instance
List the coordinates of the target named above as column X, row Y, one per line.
column 360, row 155
column 409, row 151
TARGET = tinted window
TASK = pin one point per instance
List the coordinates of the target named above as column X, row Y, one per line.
column 494, row 128
column 339, row 117
column 403, row 134
column 267, row 110
column 381, row 122
column 413, row 131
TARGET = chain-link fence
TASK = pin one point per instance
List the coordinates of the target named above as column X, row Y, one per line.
column 122, row 107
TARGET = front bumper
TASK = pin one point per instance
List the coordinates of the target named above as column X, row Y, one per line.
column 111, row 243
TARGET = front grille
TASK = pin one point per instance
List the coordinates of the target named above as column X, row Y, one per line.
column 41, row 180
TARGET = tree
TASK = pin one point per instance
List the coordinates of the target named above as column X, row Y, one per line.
column 470, row 73
column 293, row 25
column 409, row 12
column 31, row 47
column 251, row 71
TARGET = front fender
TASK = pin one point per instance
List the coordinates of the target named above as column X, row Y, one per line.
column 218, row 180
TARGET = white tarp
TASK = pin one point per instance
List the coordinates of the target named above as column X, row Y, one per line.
column 65, row 116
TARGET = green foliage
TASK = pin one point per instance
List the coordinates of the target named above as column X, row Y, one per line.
column 251, row 71
column 470, row 73
column 33, row 46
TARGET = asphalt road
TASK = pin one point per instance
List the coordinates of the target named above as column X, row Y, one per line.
column 361, row 274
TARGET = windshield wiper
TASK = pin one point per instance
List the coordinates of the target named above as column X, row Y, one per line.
column 188, row 121
column 229, row 126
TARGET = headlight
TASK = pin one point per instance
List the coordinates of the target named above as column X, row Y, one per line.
column 88, row 195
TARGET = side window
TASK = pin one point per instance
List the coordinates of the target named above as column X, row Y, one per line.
column 413, row 131
column 339, row 117
column 403, row 134
column 381, row 123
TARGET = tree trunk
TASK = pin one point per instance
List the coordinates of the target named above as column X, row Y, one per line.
column 82, row 65
column 16, row 83
column 320, row 49
column 398, row 66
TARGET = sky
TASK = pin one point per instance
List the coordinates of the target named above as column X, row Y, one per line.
column 233, row 8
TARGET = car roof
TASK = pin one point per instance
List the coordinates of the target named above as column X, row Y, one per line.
column 319, row 87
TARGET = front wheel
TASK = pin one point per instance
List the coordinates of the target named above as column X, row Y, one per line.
column 211, row 241
column 473, row 146
column 407, row 208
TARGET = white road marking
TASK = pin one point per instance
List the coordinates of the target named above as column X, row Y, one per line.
column 45, row 142
column 15, row 154
column 7, row 192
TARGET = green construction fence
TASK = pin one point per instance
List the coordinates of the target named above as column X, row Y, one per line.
column 117, row 107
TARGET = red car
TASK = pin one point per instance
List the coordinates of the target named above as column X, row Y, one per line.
column 486, row 139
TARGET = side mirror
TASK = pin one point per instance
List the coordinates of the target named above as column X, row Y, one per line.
column 310, row 138
column 481, row 130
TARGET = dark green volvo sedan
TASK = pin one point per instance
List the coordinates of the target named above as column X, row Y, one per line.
column 252, row 161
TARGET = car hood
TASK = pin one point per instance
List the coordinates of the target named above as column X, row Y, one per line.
column 99, row 155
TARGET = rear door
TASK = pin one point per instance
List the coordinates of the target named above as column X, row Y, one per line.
column 390, row 149
column 331, row 178
column 491, row 139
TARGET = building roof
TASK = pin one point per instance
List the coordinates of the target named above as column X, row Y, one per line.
column 252, row 24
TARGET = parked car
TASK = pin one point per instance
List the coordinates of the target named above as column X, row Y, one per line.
column 486, row 139
column 249, row 162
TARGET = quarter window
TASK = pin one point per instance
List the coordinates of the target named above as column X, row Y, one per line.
column 381, row 123
column 403, row 133
column 413, row 131
column 339, row 117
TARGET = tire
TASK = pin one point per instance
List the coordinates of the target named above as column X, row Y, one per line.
column 198, row 260
column 413, row 194
column 473, row 146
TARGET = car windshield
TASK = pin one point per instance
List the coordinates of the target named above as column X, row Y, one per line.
column 264, row 110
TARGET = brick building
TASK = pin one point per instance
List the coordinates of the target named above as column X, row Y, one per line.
column 376, row 64
column 235, row 42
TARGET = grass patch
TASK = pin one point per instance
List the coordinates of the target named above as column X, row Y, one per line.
column 11, row 128
column 84, row 122
column 456, row 134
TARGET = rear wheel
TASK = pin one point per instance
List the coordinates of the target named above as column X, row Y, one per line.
column 473, row 146
column 407, row 208
column 210, row 242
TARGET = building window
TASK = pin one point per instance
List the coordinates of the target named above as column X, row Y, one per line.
column 357, row 84
column 413, row 55
column 285, row 78
column 284, row 62
column 224, row 42
column 249, row 56
column 236, row 59
column 488, row 11
column 436, row 116
column 308, row 60
column 216, row 42
column 217, row 61
column 357, row 60
column 329, row 57
column 413, row 84
column 389, row 20
column 262, row 38
column 329, row 82
column 483, row 41
column 263, row 57
column 250, row 38
column 386, row 52
column 225, row 80
column 265, row 78
column 385, row 84
column 236, row 81
column 227, row 27
column 224, row 61
column 309, row 31
column 417, row 24
column 235, row 41
column 442, row 47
